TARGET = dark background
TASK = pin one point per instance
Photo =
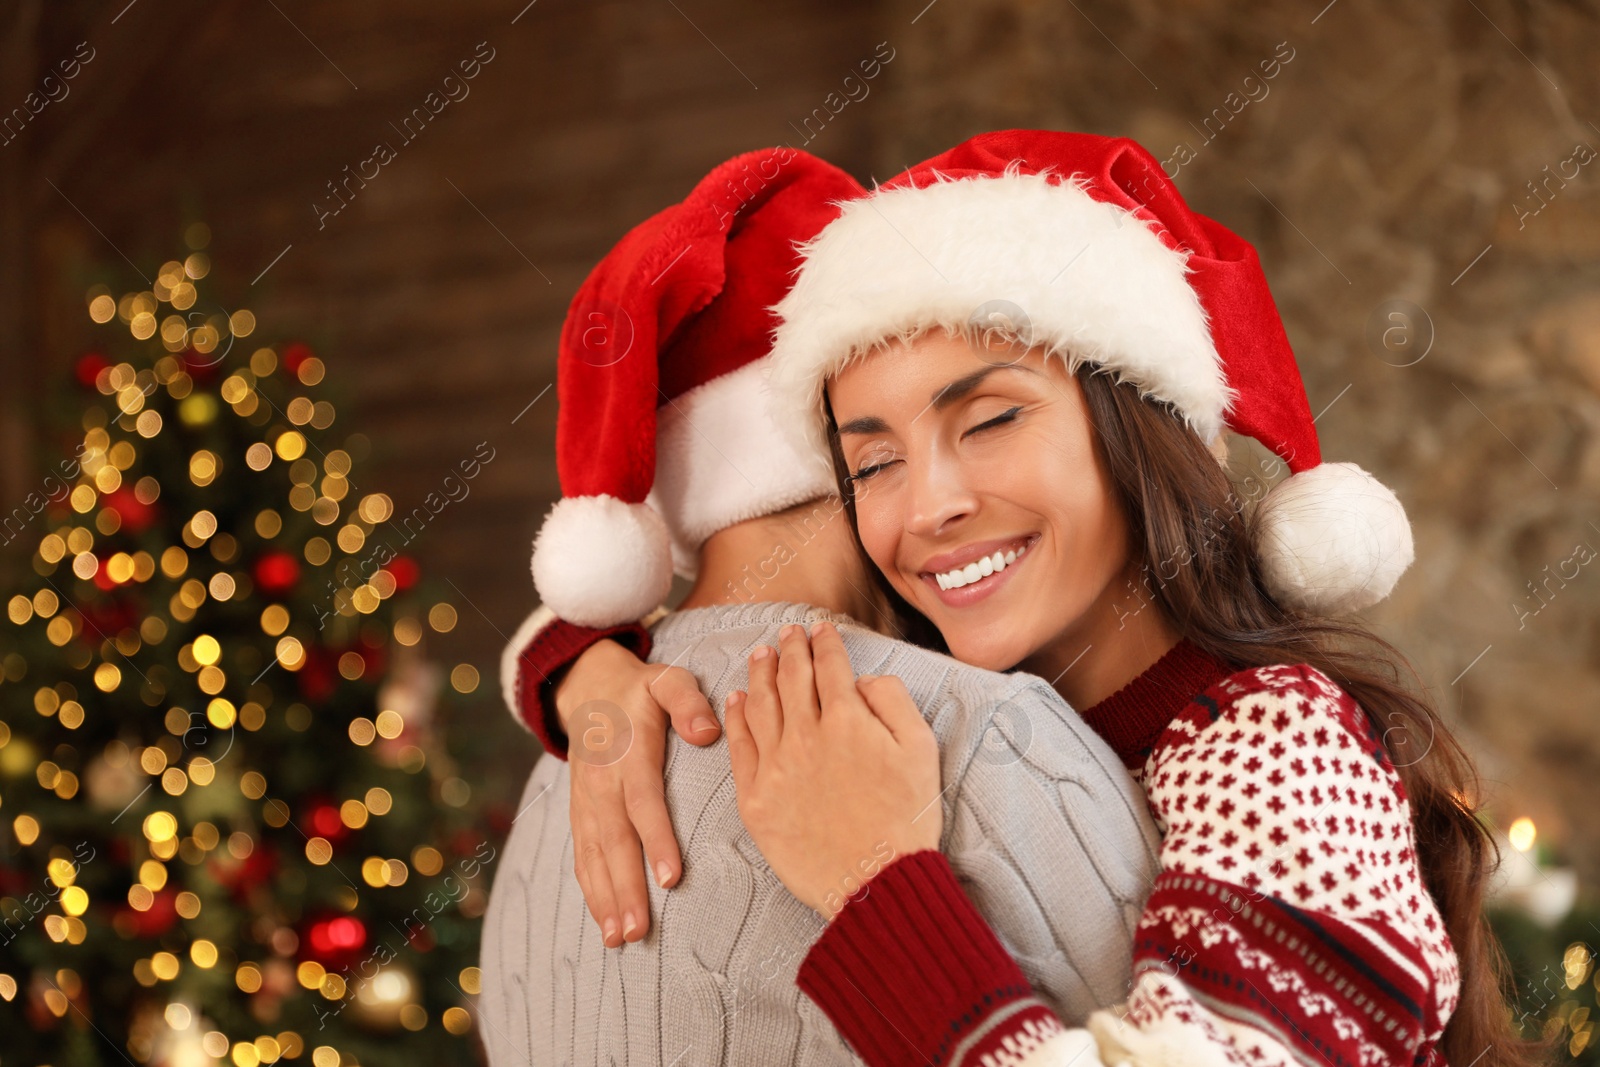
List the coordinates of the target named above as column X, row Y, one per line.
column 1406, row 151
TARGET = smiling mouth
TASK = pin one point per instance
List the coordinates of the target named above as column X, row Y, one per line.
column 982, row 567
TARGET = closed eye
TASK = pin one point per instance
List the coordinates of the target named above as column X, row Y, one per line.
column 879, row 456
column 868, row 471
column 999, row 420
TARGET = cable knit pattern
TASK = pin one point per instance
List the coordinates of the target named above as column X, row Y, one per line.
column 1289, row 924
column 1044, row 830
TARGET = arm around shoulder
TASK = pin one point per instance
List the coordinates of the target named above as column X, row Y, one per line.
column 535, row 659
column 1289, row 915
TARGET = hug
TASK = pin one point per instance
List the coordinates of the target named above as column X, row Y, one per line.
column 1038, row 747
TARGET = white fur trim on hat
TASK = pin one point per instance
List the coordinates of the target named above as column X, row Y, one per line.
column 1094, row 282
column 599, row 561
column 511, row 655
column 721, row 458
column 1334, row 539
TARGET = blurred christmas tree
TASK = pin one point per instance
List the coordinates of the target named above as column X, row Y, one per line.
column 229, row 831
column 1549, row 930
column 1557, row 985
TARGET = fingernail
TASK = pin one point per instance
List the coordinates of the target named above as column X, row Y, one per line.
column 762, row 653
column 629, row 923
column 866, row 678
column 735, row 698
column 791, row 630
column 663, row 872
column 703, row 723
column 817, row 628
column 609, row 930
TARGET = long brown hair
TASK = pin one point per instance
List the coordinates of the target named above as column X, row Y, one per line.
column 1181, row 505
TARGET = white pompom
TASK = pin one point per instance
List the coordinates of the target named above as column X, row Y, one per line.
column 599, row 561
column 1334, row 540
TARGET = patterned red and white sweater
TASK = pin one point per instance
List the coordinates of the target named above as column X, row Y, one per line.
column 1289, row 923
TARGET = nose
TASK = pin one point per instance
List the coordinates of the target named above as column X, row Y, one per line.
column 939, row 495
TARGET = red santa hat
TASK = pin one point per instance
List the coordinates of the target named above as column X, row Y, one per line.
column 1087, row 242
column 664, row 433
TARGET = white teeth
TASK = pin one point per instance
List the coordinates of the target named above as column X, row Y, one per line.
column 982, row 568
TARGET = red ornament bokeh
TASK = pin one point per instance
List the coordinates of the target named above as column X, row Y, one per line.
column 295, row 356
column 155, row 920
column 136, row 515
column 87, row 369
column 404, row 571
column 238, row 876
column 335, row 941
column 324, row 821
column 276, row 572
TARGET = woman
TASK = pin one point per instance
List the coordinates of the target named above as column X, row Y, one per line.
column 1323, row 871
column 1321, row 884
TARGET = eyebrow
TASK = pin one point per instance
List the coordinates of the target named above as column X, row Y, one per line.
column 942, row 398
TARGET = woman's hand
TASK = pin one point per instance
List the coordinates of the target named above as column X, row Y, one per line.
column 615, row 709
column 836, row 777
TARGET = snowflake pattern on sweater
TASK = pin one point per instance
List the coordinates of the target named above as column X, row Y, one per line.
column 1289, row 924
column 1275, row 782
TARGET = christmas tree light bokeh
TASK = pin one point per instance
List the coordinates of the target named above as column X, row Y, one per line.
column 231, row 830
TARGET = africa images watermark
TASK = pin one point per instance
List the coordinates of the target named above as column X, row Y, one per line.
column 753, row 578
column 1549, row 185
column 1255, row 89
column 854, row 90
column 34, row 904
column 1253, row 490
column 56, row 489
column 343, row 192
column 381, row 552
column 51, row 90
column 1542, row 594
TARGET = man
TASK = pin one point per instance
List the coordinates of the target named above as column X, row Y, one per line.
column 670, row 460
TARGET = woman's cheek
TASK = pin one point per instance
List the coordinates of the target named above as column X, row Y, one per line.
column 879, row 527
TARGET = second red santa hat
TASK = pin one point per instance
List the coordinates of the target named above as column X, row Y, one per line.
column 664, row 433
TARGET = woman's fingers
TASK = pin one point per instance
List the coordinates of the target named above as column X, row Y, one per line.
column 589, row 865
column 796, row 679
column 835, row 677
column 763, row 711
column 916, row 760
column 887, row 697
column 743, row 752
column 619, row 846
column 619, row 815
column 645, row 808
column 678, row 694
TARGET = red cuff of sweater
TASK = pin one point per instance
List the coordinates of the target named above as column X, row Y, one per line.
column 909, row 967
column 546, row 658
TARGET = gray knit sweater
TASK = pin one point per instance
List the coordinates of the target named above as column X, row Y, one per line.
column 1049, row 835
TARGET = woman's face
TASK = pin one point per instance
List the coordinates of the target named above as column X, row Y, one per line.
column 981, row 496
